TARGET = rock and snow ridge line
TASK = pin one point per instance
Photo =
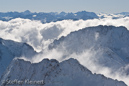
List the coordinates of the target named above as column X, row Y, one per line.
column 53, row 73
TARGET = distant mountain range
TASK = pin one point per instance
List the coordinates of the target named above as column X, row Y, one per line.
column 55, row 16
column 47, row 17
column 124, row 13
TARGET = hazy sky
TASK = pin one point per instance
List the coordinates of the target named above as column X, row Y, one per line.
column 107, row 6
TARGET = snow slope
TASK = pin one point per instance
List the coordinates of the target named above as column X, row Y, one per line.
column 53, row 73
column 11, row 49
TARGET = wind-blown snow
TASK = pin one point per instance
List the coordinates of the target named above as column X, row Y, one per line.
column 102, row 49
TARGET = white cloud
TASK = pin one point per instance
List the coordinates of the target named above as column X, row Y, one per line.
column 37, row 34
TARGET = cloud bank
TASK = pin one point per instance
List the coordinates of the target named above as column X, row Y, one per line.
column 40, row 35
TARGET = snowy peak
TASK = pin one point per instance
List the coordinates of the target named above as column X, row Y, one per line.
column 53, row 73
column 27, row 12
column 85, row 15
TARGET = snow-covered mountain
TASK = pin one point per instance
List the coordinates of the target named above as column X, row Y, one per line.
column 48, row 17
column 10, row 49
column 112, row 40
column 52, row 73
column 97, row 48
